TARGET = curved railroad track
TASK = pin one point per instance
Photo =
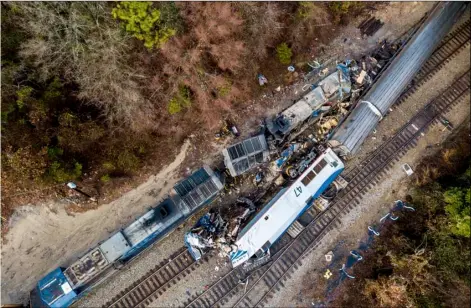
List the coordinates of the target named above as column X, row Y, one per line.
column 156, row 281
column 159, row 279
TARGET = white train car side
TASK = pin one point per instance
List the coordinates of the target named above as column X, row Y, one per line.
column 276, row 217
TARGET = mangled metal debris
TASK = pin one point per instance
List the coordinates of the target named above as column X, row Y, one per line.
column 212, row 231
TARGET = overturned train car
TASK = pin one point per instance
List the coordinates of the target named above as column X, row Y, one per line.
column 351, row 134
column 64, row 286
column 333, row 88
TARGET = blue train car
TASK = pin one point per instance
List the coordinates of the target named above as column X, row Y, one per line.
column 64, row 286
column 277, row 216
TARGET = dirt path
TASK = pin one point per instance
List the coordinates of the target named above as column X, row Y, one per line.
column 44, row 237
column 41, row 237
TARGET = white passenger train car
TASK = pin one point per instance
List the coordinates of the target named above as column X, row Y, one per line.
column 276, row 217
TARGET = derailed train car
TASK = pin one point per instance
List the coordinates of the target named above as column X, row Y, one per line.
column 63, row 286
column 247, row 154
column 334, row 88
column 255, row 240
column 350, row 135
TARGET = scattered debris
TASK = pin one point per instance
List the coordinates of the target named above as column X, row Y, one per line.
column 228, row 128
column 285, row 155
column 370, row 26
column 447, row 124
column 262, row 80
column 407, row 169
column 258, row 178
column 329, row 256
column 208, row 230
column 212, row 231
column 327, row 274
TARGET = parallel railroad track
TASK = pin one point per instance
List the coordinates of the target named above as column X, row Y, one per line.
column 449, row 48
column 359, row 182
column 158, row 280
column 270, row 279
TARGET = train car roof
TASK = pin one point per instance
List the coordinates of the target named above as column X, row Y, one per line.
column 286, row 206
column 199, row 187
column 246, row 154
column 159, row 218
column 55, row 290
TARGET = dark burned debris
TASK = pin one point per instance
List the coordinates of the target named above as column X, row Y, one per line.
column 370, row 26
column 213, row 231
column 285, row 161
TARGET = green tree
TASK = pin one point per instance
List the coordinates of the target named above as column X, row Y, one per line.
column 458, row 209
column 284, row 53
column 143, row 21
column 181, row 100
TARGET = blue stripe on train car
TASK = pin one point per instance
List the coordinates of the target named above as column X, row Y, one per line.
column 324, row 186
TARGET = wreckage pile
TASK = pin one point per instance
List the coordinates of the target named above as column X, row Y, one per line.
column 363, row 73
column 342, row 89
column 212, row 231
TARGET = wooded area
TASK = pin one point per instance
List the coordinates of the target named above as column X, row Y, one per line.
column 423, row 259
column 103, row 90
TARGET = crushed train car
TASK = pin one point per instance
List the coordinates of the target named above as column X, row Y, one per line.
column 215, row 231
column 332, row 89
column 245, row 155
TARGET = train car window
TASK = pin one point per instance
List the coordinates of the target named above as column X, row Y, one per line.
column 320, row 165
column 308, row 178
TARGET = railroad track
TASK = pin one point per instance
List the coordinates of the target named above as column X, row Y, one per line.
column 270, row 277
column 449, row 48
column 359, row 183
column 156, row 281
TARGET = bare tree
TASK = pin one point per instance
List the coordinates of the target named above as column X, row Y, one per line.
column 81, row 42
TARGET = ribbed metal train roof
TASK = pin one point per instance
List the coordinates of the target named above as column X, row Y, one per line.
column 389, row 86
column 199, row 187
column 246, row 154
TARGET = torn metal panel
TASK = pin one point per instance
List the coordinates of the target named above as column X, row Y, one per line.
column 246, row 154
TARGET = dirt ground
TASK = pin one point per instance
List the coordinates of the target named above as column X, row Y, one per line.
column 377, row 201
column 44, row 237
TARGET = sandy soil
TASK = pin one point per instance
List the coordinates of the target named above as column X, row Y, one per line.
column 44, row 237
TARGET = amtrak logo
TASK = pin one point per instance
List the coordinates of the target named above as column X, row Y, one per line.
column 239, row 257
